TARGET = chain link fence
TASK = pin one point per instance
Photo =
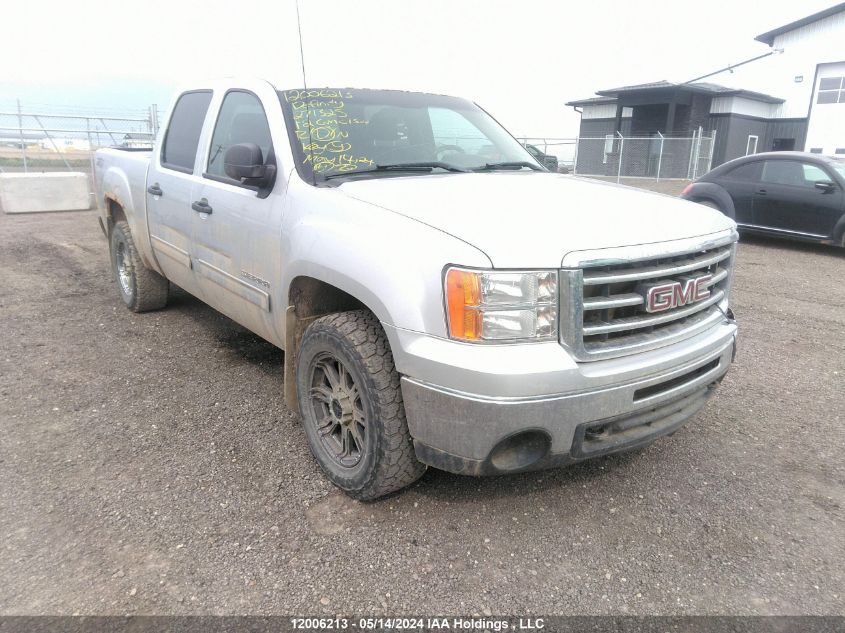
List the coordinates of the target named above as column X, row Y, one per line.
column 618, row 157
column 45, row 138
column 39, row 138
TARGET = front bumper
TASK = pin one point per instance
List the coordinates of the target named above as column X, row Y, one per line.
column 599, row 408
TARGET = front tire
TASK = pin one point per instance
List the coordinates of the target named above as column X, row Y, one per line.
column 140, row 288
column 351, row 406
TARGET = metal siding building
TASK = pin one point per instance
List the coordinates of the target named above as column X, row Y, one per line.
column 777, row 107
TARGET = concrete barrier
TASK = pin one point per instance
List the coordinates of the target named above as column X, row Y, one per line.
column 37, row 192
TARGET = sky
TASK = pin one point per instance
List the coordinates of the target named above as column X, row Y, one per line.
column 520, row 60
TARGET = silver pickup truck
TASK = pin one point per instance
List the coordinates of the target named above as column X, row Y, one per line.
column 441, row 298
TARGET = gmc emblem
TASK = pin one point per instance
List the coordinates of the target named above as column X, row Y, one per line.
column 665, row 295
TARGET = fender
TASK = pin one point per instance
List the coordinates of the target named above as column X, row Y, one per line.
column 390, row 263
column 838, row 233
column 715, row 193
column 116, row 188
column 400, row 280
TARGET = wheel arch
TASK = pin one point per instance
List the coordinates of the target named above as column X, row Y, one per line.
column 114, row 211
column 310, row 297
column 714, row 193
column 839, row 231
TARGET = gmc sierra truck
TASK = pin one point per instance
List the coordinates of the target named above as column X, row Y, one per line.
column 441, row 298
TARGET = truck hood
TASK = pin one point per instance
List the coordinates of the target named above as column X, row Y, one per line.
column 532, row 219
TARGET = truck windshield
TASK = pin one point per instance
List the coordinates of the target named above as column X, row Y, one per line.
column 361, row 133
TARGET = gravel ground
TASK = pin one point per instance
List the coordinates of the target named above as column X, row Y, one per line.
column 148, row 465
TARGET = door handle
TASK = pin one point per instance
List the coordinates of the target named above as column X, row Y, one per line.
column 201, row 206
column 760, row 192
column 155, row 190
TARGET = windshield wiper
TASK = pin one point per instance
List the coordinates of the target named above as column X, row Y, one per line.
column 509, row 165
column 423, row 167
column 435, row 164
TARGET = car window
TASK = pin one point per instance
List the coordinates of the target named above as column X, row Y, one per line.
column 749, row 172
column 241, row 120
column 792, row 173
column 814, row 173
column 183, row 132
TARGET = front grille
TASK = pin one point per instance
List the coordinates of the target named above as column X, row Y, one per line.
column 609, row 317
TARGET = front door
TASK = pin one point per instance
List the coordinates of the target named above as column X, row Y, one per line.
column 787, row 198
column 237, row 228
column 169, row 183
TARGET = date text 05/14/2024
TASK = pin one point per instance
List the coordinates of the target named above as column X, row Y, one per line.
column 420, row 623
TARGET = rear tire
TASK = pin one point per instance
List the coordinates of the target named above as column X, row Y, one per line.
column 140, row 288
column 351, row 406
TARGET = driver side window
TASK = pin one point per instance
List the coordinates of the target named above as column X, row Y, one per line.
column 792, row 173
column 241, row 120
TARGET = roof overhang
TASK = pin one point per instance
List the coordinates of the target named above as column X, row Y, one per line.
column 769, row 36
column 667, row 91
column 592, row 101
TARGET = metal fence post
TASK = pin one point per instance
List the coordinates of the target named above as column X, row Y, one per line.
column 697, row 153
column 23, row 141
column 621, row 149
column 712, row 150
column 691, row 154
column 660, row 155
column 153, row 124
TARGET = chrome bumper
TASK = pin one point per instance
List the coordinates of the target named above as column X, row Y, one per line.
column 478, row 435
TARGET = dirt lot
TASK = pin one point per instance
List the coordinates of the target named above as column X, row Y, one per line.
column 148, row 465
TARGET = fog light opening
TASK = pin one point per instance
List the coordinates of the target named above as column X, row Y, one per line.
column 520, row 451
column 595, row 433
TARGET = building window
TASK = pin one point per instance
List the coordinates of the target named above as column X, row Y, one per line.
column 815, row 150
column 751, row 146
column 831, row 90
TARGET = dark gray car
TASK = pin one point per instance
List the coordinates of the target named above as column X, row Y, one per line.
column 789, row 194
column 548, row 161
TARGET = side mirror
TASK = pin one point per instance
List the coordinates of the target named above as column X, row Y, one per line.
column 826, row 186
column 244, row 162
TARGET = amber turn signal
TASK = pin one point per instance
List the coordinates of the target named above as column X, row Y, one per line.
column 463, row 295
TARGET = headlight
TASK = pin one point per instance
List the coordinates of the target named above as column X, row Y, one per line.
column 494, row 306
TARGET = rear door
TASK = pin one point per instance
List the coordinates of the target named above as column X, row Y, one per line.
column 237, row 242
column 169, row 183
column 740, row 183
column 788, row 200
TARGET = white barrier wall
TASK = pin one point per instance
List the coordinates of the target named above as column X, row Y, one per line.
column 38, row 192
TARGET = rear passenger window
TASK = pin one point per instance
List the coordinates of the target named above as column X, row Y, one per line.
column 749, row 172
column 183, row 132
column 241, row 120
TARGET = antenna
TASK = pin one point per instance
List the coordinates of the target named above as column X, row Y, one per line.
column 305, row 88
column 301, row 53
